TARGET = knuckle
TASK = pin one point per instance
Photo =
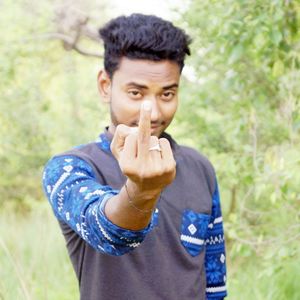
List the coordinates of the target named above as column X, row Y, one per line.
column 120, row 127
column 170, row 168
column 142, row 174
column 164, row 141
column 160, row 173
column 127, row 171
column 131, row 137
column 122, row 130
column 153, row 140
column 148, row 174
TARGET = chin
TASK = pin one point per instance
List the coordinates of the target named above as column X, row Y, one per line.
column 155, row 134
column 159, row 133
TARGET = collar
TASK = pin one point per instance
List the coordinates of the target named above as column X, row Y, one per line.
column 104, row 139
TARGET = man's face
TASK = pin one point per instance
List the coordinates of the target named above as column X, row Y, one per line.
column 135, row 81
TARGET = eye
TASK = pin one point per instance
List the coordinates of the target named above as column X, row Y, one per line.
column 168, row 95
column 135, row 94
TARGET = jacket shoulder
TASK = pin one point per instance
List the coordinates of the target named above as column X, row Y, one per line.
column 195, row 160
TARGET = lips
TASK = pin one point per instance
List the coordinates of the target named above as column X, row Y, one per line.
column 155, row 130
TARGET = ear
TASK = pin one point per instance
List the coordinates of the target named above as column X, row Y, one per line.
column 104, row 85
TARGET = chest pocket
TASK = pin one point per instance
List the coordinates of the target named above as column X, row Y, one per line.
column 193, row 231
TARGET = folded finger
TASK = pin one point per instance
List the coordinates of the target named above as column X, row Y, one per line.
column 117, row 143
column 167, row 154
column 130, row 147
column 154, row 148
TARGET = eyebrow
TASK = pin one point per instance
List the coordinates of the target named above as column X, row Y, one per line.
column 171, row 86
column 141, row 86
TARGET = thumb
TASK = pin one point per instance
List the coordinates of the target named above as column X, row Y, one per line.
column 118, row 141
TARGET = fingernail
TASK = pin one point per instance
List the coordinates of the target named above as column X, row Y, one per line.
column 147, row 105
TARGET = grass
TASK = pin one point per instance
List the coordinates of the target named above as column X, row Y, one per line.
column 33, row 259
column 34, row 263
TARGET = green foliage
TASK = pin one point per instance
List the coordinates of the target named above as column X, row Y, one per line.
column 47, row 104
column 242, row 111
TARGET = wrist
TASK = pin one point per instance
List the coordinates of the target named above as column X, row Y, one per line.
column 140, row 194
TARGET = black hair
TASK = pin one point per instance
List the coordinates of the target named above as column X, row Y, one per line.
column 141, row 36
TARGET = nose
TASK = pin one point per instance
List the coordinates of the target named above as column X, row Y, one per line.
column 155, row 113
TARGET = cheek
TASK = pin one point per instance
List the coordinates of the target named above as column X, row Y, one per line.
column 123, row 105
column 170, row 109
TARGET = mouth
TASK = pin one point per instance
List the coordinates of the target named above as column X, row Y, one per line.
column 153, row 127
column 155, row 130
column 156, row 127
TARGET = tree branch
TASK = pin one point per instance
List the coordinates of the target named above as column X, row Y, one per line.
column 69, row 41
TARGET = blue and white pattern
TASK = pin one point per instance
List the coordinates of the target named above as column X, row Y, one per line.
column 193, row 231
column 103, row 142
column 78, row 199
column 215, row 258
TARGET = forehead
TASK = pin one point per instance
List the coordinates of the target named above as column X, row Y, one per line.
column 147, row 71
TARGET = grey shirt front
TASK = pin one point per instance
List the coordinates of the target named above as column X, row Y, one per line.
column 170, row 262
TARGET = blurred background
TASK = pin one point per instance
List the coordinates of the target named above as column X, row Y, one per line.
column 239, row 105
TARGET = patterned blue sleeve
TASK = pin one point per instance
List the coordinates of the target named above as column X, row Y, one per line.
column 215, row 264
column 78, row 199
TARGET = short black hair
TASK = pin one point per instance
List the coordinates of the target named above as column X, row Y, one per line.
column 140, row 36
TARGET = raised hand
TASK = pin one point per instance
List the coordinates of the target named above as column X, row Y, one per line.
column 147, row 161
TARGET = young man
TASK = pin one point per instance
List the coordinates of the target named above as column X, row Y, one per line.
column 141, row 214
